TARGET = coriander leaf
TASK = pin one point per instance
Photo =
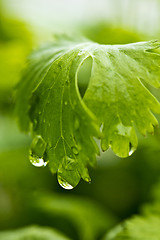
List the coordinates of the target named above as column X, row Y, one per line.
column 117, row 95
column 49, row 103
column 63, row 124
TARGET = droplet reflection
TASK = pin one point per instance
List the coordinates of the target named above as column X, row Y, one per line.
column 37, row 150
column 131, row 149
column 64, row 184
column 38, row 162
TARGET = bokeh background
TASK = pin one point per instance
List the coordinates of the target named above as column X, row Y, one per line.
column 120, row 187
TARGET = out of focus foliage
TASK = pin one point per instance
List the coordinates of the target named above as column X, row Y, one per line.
column 33, row 233
column 141, row 227
column 16, row 42
column 105, row 33
column 138, row 228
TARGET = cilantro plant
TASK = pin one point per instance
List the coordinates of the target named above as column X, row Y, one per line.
column 76, row 99
column 66, row 113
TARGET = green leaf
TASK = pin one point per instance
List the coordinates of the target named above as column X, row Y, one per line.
column 32, row 233
column 118, row 97
column 63, row 124
column 136, row 229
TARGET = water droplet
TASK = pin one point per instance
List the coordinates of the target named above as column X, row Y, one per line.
column 87, row 179
column 68, row 174
column 74, row 150
column 69, row 163
column 131, row 152
column 44, row 120
column 123, row 130
column 131, row 149
column 37, row 162
column 64, row 184
column 38, row 145
column 65, row 103
column 37, row 150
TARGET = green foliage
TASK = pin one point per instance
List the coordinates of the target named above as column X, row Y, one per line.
column 19, row 179
column 32, row 233
column 63, row 124
column 15, row 43
column 85, row 215
column 105, row 33
column 10, row 137
column 140, row 227
column 137, row 228
column 73, row 92
column 154, row 206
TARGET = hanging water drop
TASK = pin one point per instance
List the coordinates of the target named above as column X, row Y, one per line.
column 131, row 152
column 87, row 179
column 37, row 150
column 37, row 162
column 65, row 103
column 68, row 175
column 64, row 184
column 131, row 149
column 69, row 163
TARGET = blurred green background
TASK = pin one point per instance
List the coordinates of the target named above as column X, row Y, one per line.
column 119, row 187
